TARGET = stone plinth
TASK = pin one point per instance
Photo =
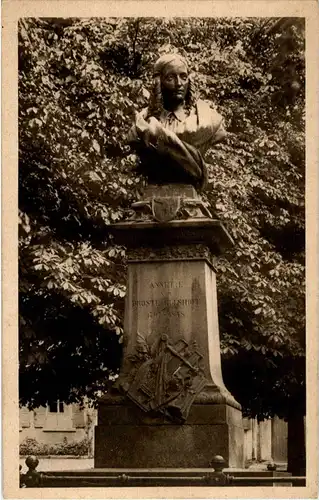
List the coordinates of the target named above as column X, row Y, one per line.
column 170, row 407
column 126, row 437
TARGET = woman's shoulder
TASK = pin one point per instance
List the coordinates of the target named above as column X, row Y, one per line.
column 207, row 112
column 205, row 105
column 143, row 113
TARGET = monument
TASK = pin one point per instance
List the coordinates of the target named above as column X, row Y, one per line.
column 170, row 407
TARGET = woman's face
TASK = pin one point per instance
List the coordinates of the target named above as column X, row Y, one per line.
column 174, row 81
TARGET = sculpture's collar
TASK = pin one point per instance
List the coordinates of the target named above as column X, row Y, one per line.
column 179, row 114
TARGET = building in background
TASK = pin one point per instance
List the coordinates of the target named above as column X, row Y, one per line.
column 266, row 441
column 58, row 423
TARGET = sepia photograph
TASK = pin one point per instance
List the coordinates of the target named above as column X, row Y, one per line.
column 162, row 253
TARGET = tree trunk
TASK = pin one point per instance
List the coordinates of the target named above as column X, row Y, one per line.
column 296, row 446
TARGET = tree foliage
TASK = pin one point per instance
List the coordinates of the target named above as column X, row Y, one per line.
column 80, row 81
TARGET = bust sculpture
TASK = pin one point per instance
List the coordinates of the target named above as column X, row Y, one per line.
column 172, row 135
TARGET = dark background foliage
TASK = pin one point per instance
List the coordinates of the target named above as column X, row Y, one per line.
column 80, row 81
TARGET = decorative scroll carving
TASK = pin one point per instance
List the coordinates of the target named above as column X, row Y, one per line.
column 166, row 208
column 178, row 252
column 164, row 377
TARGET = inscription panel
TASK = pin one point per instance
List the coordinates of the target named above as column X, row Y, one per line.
column 166, row 297
column 172, row 298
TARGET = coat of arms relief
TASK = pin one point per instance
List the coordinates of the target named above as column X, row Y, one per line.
column 165, row 377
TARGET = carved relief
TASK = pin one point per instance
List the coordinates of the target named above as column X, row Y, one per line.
column 167, row 208
column 178, row 252
column 164, row 377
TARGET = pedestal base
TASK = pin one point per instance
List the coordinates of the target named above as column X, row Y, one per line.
column 127, row 438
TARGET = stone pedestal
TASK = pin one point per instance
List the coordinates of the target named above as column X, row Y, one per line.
column 125, row 437
column 170, row 407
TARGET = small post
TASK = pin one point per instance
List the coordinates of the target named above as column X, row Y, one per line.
column 32, row 478
column 220, row 478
